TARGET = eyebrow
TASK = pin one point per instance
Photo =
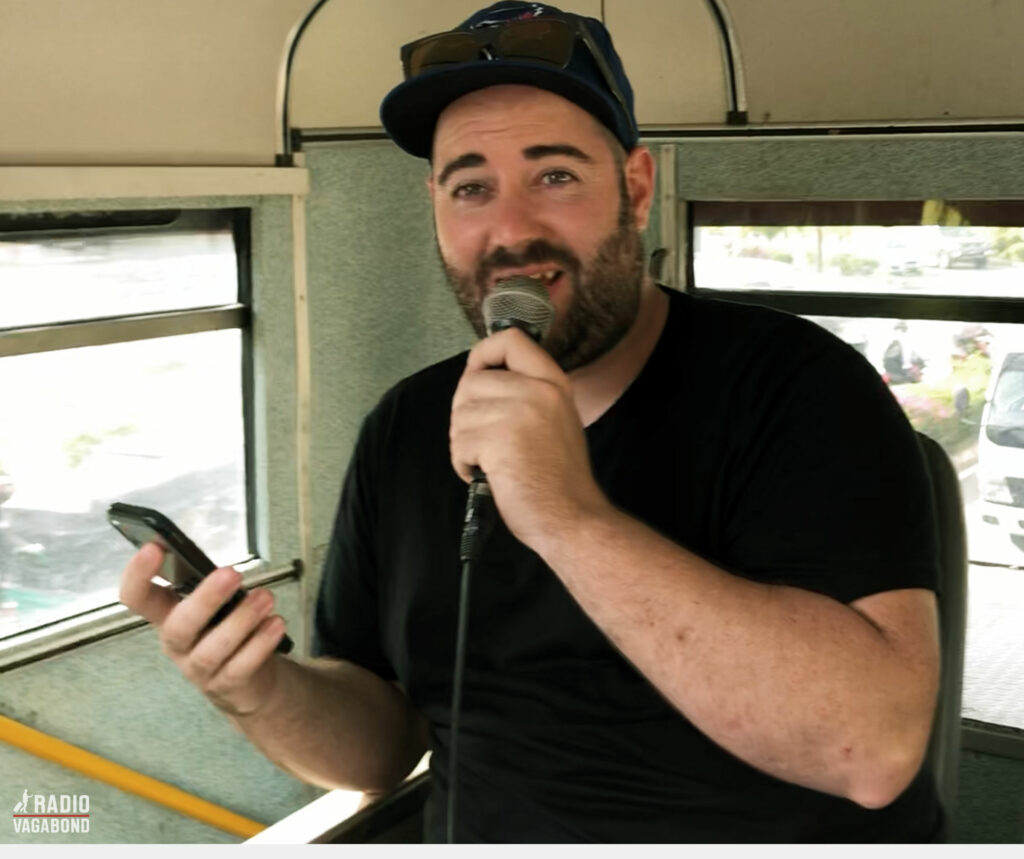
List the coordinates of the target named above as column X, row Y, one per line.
column 535, row 153
column 470, row 159
column 531, row 153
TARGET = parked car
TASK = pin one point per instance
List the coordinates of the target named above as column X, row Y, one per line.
column 961, row 245
column 901, row 257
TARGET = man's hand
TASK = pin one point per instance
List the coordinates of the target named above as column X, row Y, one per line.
column 233, row 663
column 520, row 425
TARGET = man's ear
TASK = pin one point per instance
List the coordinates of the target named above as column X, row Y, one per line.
column 430, row 185
column 640, row 171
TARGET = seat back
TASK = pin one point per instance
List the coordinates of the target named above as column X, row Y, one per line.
column 943, row 755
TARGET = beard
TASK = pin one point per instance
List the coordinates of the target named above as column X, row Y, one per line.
column 604, row 296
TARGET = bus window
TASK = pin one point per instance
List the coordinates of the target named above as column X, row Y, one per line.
column 118, row 383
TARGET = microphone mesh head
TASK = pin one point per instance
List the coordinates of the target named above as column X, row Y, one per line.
column 521, row 302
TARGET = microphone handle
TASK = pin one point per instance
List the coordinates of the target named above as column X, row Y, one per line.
column 478, row 522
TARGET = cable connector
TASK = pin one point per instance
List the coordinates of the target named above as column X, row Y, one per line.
column 479, row 519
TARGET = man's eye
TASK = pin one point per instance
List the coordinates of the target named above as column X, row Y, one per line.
column 468, row 189
column 558, row 177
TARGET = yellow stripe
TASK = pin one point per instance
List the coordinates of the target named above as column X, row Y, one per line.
column 49, row 748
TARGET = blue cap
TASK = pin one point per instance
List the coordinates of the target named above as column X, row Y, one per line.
column 409, row 112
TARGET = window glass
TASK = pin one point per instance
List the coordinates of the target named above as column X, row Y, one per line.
column 156, row 423
column 902, row 253
column 61, row 276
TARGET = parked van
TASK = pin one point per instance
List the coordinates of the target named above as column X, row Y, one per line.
column 1001, row 449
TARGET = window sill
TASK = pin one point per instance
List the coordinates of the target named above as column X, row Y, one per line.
column 1000, row 740
column 94, row 183
column 106, row 621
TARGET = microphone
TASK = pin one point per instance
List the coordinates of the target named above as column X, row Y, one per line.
column 516, row 302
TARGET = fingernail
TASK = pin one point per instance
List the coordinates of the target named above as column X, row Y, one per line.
column 229, row 578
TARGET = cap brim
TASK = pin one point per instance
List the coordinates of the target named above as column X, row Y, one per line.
column 410, row 111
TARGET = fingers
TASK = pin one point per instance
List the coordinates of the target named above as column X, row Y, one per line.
column 245, row 661
column 139, row 593
column 231, row 662
column 495, row 386
column 225, row 662
column 218, row 645
column 515, row 350
column 495, row 410
column 182, row 628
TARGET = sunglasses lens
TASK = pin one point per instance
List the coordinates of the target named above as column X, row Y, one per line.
column 440, row 50
column 540, row 40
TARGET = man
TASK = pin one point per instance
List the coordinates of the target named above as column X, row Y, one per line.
column 707, row 613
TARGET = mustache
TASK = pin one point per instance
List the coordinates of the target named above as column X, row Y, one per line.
column 538, row 251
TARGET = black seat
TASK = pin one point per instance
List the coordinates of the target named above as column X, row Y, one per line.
column 943, row 755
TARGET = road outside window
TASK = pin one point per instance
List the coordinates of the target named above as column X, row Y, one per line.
column 918, row 260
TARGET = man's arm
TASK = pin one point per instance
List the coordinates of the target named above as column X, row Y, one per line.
column 335, row 724
column 835, row 697
column 326, row 721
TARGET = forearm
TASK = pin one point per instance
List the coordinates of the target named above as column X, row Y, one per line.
column 337, row 725
column 794, row 683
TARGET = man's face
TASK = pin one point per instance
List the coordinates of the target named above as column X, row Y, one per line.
column 526, row 183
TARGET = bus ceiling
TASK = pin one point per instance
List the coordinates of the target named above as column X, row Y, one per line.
column 204, row 82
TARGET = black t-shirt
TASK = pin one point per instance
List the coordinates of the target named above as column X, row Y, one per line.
column 755, row 439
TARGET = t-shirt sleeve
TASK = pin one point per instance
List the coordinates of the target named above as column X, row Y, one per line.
column 829, row 489
column 346, row 621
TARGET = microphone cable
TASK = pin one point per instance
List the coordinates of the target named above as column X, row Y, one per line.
column 523, row 303
column 477, row 526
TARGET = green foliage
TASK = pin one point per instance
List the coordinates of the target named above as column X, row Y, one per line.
column 79, row 447
column 82, row 445
column 1006, row 238
column 930, row 408
column 848, row 264
column 1014, row 252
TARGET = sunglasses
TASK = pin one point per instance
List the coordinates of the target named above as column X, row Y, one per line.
column 545, row 40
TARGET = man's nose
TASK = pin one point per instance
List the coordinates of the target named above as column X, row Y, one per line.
column 516, row 222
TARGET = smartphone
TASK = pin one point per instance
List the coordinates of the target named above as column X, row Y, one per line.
column 185, row 566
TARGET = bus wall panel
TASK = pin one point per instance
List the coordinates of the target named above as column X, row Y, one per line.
column 380, row 307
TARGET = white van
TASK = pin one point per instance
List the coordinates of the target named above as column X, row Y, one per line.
column 1001, row 449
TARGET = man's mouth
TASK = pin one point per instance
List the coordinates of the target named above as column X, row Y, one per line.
column 549, row 278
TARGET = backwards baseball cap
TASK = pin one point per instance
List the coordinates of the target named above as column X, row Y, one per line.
column 510, row 43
